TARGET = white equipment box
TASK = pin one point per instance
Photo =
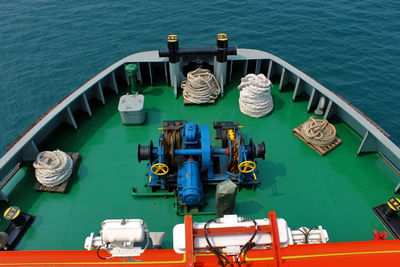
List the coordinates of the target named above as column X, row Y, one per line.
column 131, row 108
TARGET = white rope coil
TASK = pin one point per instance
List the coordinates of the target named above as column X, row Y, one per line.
column 255, row 95
column 200, row 87
column 318, row 132
column 52, row 167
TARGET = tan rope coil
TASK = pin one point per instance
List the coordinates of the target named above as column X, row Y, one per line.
column 52, row 167
column 200, row 87
column 318, row 132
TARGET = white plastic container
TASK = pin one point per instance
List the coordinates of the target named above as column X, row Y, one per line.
column 129, row 230
column 131, row 108
column 230, row 243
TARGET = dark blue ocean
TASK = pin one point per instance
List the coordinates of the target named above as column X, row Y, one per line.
column 49, row 48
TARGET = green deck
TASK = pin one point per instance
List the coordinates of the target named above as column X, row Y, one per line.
column 336, row 191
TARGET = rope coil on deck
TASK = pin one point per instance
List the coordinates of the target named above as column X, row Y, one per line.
column 255, row 95
column 318, row 132
column 200, row 87
column 52, row 167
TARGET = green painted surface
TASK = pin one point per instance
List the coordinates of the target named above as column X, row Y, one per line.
column 336, row 191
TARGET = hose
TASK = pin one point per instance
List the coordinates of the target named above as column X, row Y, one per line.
column 255, row 95
column 318, row 132
column 222, row 260
column 200, row 87
column 52, row 167
column 249, row 244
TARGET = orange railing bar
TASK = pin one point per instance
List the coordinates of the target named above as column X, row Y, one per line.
column 189, row 246
column 276, row 246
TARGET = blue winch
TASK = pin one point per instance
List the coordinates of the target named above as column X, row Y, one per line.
column 185, row 161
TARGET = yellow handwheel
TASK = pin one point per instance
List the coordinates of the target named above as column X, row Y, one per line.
column 159, row 169
column 247, row 166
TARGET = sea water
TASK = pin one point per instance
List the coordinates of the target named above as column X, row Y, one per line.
column 50, row 48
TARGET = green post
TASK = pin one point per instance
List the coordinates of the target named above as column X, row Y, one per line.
column 131, row 71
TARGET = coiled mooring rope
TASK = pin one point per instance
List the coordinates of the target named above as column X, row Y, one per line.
column 52, row 167
column 200, row 87
column 318, row 132
column 255, row 95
